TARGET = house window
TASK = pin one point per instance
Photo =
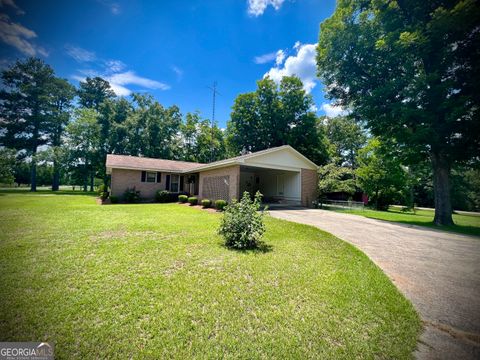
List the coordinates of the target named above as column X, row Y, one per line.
column 151, row 176
column 174, row 183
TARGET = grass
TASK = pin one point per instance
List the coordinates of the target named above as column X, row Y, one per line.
column 464, row 223
column 155, row 281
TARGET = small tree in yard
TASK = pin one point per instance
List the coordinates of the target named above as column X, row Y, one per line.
column 242, row 224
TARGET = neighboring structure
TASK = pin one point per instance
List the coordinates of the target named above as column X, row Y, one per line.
column 281, row 174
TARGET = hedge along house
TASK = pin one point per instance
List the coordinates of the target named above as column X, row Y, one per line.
column 281, row 174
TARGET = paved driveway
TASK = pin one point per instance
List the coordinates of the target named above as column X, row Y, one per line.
column 439, row 272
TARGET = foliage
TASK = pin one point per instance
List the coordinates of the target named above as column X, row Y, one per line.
column 182, row 198
column 131, row 195
column 83, row 142
column 206, row 203
column 346, row 138
column 242, row 224
column 380, row 174
column 102, row 188
column 114, row 199
column 104, row 195
column 165, row 196
column 193, row 200
column 27, row 100
column 411, row 72
column 7, row 166
column 220, row 205
column 334, row 178
column 94, row 92
column 274, row 116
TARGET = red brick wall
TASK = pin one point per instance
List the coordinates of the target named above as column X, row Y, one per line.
column 309, row 186
column 123, row 179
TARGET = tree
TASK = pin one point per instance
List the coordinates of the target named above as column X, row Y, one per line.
column 62, row 94
column 380, row 174
column 7, row 166
column 93, row 92
column 83, row 142
column 274, row 116
column 25, row 104
column 334, row 178
column 411, row 70
column 346, row 138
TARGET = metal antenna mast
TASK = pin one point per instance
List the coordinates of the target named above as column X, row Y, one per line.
column 214, row 94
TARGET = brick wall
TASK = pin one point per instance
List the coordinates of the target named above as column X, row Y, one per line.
column 123, row 179
column 233, row 173
column 309, row 186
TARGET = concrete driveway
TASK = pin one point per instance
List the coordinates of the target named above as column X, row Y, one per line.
column 439, row 272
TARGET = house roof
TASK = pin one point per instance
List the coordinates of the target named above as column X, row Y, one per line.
column 252, row 159
column 144, row 163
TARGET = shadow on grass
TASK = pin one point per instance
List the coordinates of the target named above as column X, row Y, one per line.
column 26, row 191
column 460, row 229
column 262, row 248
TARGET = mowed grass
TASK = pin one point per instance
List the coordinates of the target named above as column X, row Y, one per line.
column 464, row 223
column 155, row 281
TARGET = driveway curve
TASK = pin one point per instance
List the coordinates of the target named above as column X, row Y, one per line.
column 438, row 271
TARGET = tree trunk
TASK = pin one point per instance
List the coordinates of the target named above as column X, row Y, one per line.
column 33, row 174
column 92, row 182
column 441, row 190
column 56, row 177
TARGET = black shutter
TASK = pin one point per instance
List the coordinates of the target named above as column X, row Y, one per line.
column 181, row 183
column 144, row 176
column 167, row 183
column 159, row 177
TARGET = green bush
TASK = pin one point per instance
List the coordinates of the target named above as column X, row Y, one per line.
column 104, row 195
column 102, row 189
column 193, row 200
column 183, row 198
column 131, row 195
column 242, row 224
column 114, row 199
column 164, row 196
column 206, row 203
column 220, row 204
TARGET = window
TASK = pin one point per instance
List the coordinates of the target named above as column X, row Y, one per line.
column 151, row 176
column 174, row 183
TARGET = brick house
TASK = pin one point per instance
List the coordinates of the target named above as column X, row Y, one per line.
column 281, row 174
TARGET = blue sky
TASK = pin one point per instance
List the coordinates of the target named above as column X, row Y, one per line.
column 171, row 49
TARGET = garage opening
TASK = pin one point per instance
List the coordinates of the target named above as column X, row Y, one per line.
column 277, row 186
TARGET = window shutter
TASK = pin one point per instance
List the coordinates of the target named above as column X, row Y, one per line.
column 181, row 183
column 144, row 175
column 159, row 177
column 167, row 183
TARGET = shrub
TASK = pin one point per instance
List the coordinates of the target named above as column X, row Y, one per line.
column 114, row 199
column 165, row 196
column 193, row 200
column 206, row 203
column 131, row 195
column 102, row 189
column 242, row 225
column 182, row 198
column 104, row 195
column 220, row 204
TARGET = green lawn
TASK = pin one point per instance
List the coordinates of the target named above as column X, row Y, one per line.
column 464, row 224
column 154, row 281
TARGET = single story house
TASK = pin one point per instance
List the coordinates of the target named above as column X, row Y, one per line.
column 281, row 174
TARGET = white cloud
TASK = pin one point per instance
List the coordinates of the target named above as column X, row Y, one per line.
column 129, row 77
column 178, row 72
column 11, row 3
column 79, row 54
column 19, row 37
column 333, row 110
column 258, row 7
column 114, row 7
column 115, row 65
column 265, row 58
column 302, row 64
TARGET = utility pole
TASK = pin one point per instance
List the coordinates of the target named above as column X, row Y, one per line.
column 214, row 95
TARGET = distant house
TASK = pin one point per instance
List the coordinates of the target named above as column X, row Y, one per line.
column 281, row 174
